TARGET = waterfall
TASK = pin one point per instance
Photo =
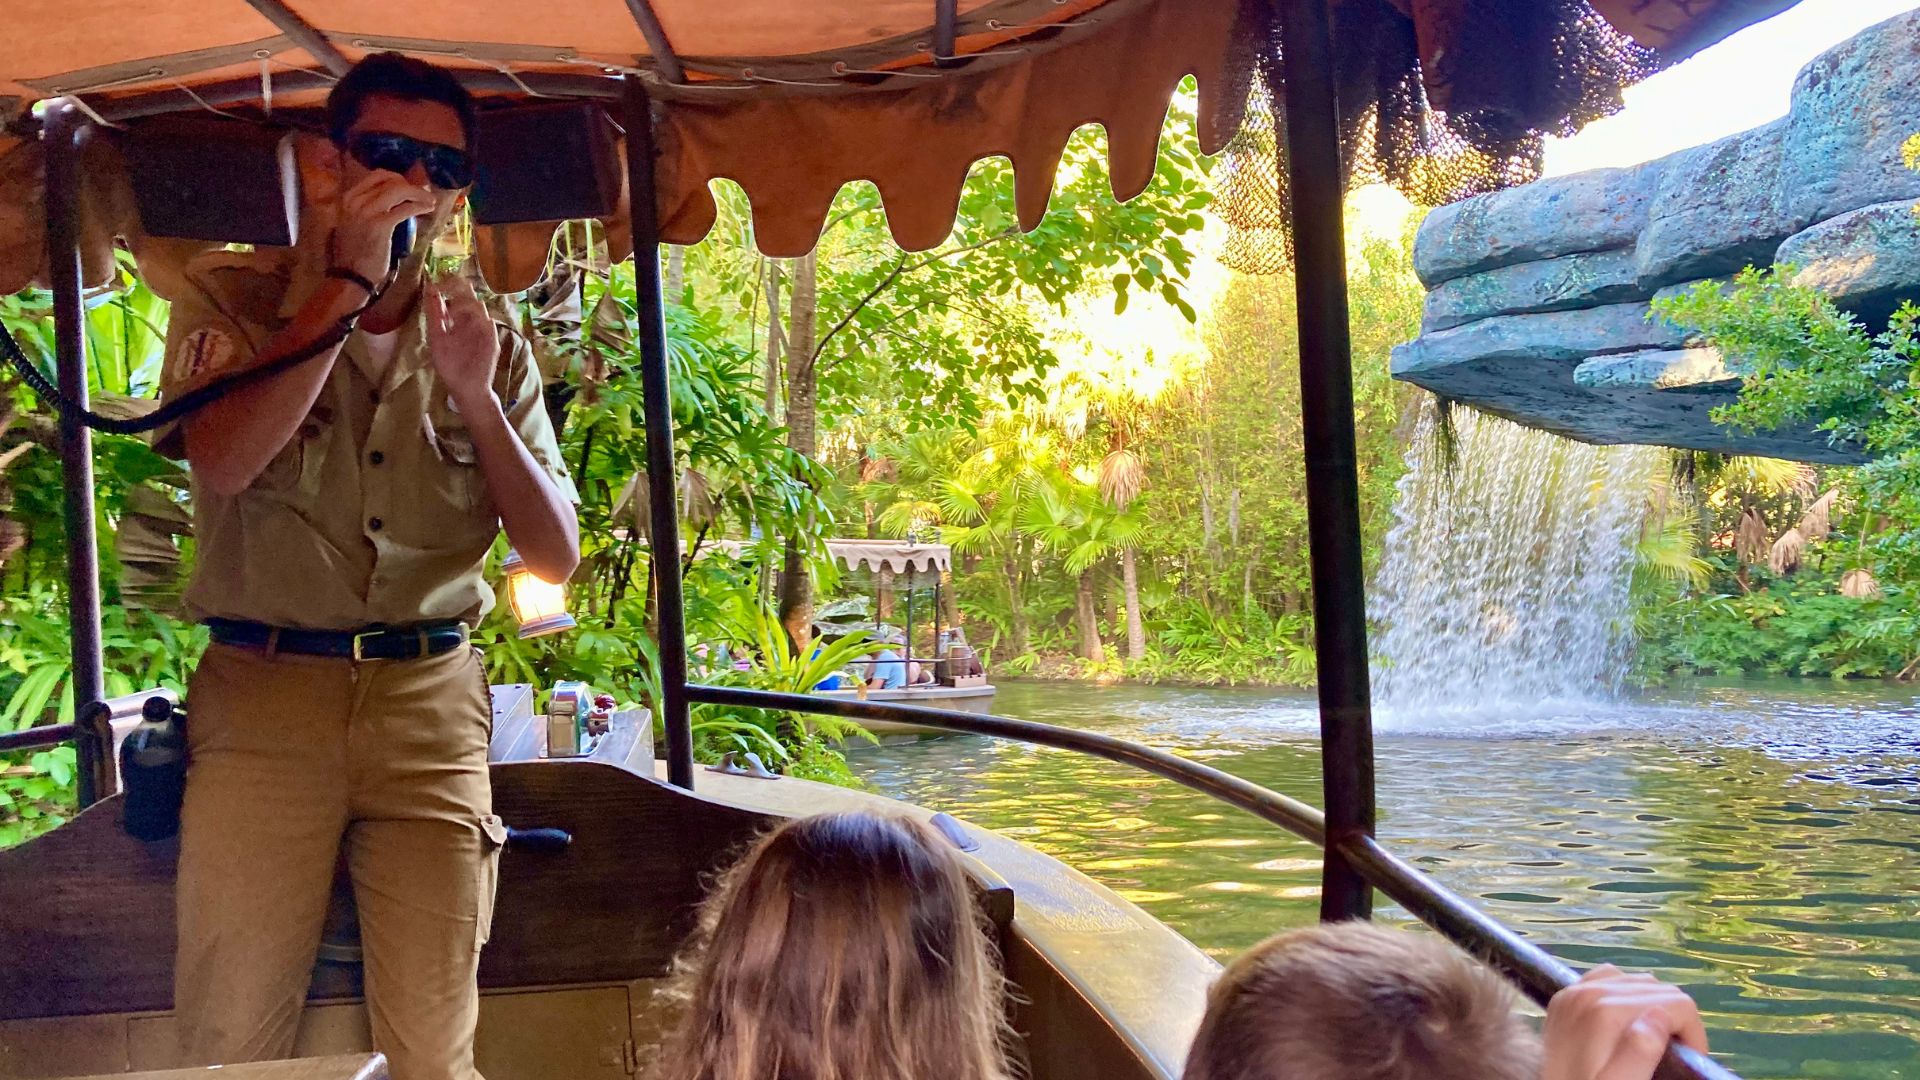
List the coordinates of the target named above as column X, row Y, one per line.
column 1503, row 586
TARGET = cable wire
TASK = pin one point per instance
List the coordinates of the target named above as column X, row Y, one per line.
column 184, row 405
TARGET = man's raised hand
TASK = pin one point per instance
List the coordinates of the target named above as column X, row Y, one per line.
column 369, row 212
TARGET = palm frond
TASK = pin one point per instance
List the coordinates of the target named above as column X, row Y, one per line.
column 1122, row 476
column 1859, row 584
column 1771, row 476
column 1817, row 523
column 1784, row 557
column 1750, row 537
column 1668, row 552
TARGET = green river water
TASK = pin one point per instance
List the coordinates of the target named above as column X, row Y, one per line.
column 1756, row 842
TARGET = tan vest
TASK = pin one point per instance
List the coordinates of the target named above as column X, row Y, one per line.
column 375, row 512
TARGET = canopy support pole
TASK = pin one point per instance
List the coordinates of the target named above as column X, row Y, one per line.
column 64, row 136
column 1333, row 490
column 946, row 31
column 657, row 409
column 303, row 34
column 664, row 57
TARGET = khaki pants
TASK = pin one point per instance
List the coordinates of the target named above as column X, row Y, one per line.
column 291, row 756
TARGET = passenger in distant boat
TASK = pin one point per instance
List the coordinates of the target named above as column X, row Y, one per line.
column 892, row 672
column 844, row 945
column 888, row 670
column 1354, row 1001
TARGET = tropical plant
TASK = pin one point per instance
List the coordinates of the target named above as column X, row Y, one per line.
column 866, row 342
column 801, row 744
column 143, row 646
column 1837, row 571
column 1804, row 360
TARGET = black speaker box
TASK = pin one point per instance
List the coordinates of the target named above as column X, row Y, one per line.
column 209, row 178
column 546, row 162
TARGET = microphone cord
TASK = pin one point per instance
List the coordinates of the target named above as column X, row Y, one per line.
column 184, row 405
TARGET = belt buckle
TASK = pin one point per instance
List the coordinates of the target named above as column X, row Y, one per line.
column 359, row 654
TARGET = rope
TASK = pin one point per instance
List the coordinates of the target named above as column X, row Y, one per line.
column 202, row 102
column 81, row 104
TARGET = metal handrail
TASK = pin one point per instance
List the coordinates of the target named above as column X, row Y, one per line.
column 38, row 738
column 1534, row 970
column 124, row 707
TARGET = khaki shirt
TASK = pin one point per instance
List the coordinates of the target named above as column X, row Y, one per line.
column 376, row 511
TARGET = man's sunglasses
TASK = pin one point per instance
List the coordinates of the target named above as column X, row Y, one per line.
column 447, row 168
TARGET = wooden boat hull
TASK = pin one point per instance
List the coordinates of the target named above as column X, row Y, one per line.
column 583, row 938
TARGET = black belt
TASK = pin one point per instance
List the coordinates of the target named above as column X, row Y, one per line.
column 373, row 643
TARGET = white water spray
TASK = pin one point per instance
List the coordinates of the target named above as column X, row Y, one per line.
column 1504, row 582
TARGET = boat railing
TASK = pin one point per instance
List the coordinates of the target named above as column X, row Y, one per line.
column 123, row 711
column 1535, row 971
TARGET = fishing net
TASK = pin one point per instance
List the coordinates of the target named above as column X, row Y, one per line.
column 1500, row 76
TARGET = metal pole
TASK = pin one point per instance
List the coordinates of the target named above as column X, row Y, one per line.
column 657, row 407
column 65, row 133
column 1326, row 406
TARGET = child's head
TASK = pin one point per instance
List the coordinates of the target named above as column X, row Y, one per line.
column 844, row 947
column 1353, row 1001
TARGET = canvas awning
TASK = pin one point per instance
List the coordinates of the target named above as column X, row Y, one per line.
column 791, row 100
column 899, row 556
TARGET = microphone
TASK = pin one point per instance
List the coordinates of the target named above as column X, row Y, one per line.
column 402, row 243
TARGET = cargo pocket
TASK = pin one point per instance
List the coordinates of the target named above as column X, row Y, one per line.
column 493, row 836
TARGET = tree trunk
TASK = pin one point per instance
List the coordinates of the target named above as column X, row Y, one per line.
column 885, row 602
column 1206, row 516
column 1017, row 603
column 776, row 339
column 1136, row 629
column 949, row 603
column 1088, row 616
column 675, row 286
column 796, row 588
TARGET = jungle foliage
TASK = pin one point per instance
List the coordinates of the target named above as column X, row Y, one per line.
column 1808, row 572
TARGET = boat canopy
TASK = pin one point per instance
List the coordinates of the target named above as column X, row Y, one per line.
column 899, row 556
column 790, row 100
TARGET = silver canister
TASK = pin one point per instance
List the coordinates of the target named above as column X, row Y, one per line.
column 565, row 710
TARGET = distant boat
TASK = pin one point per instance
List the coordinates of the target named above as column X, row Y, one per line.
column 959, row 682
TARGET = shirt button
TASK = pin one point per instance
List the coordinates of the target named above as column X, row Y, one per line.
column 376, row 457
column 374, row 524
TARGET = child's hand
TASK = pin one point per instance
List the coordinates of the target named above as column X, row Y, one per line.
column 1615, row 1026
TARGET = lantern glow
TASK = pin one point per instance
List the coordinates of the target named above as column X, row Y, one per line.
column 539, row 606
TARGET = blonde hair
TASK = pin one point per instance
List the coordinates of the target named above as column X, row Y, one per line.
column 843, row 947
column 1353, row 1001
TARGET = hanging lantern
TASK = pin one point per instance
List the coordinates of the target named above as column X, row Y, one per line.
column 540, row 606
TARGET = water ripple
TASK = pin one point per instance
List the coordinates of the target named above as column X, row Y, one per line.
column 1754, row 843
